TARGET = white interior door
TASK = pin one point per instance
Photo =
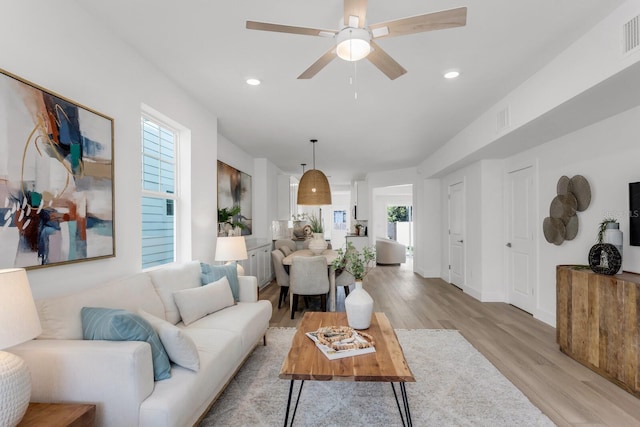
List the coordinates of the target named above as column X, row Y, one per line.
column 520, row 235
column 456, row 234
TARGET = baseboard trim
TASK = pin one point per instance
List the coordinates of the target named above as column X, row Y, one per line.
column 546, row 317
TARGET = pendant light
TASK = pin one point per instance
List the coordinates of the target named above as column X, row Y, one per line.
column 314, row 188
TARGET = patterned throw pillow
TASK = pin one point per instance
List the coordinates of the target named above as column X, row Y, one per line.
column 212, row 273
column 121, row 325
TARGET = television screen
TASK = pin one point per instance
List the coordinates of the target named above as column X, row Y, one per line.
column 634, row 213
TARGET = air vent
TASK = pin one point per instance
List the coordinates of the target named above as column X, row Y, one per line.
column 503, row 119
column 631, row 35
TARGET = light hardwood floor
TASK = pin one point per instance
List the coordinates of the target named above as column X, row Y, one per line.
column 521, row 347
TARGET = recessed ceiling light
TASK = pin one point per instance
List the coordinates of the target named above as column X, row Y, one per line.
column 253, row 82
column 451, row 74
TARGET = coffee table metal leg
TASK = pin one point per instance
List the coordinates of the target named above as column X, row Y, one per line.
column 405, row 403
column 295, row 408
column 405, row 398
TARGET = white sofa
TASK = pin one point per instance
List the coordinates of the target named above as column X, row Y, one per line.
column 390, row 252
column 118, row 375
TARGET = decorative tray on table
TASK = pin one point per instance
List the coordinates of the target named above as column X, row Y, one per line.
column 337, row 342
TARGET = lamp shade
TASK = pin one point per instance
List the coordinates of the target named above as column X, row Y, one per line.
column 314, row 189
column 231, row 248
column 19, row 320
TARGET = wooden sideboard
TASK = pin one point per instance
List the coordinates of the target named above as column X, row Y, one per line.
column 598, row 323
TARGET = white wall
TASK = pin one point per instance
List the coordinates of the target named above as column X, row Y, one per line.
column 607, row 154
column 590, row 60
column 57, row 46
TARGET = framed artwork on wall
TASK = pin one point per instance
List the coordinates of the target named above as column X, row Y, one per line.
column 234, row 189
column 56, row 178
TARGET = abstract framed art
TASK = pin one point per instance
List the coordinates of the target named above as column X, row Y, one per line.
column 234, row 189
column 56, row 178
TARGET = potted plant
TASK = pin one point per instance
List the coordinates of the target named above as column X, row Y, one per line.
column 226, row 222
column 606, row 224
column 358, row 304
column 357, row 263
column 315, row 224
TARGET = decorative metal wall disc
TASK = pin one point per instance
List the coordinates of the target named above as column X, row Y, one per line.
column 580, row 188
column 554, row 230
column 563, row 185
column 563, row 207
column 571, row 228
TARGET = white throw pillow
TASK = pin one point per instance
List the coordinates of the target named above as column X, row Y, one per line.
column 195, row 303
column 179, row 346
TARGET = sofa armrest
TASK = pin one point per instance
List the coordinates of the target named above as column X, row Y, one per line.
column 115, row 375
column 248, row 288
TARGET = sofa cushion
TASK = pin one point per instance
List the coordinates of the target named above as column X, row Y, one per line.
column 99, row 323
column 173, row 278
column 196, row 303
column 242, row 319
column 180, row 400
column 60, row 316
column 211, row 273
column 179, row 346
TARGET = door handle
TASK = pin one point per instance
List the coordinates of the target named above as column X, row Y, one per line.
column 508, row 245
column 460, row 241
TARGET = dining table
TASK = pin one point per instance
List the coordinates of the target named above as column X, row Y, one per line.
column 330, row 255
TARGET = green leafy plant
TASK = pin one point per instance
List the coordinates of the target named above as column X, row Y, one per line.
column 603, row 226
column 315, row 224
column 226, row 215
column 359, row 264
column 299, row 217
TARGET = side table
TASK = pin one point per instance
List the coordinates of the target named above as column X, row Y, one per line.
column 59, row 415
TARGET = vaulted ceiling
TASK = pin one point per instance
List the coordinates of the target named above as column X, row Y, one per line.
column 205, row 48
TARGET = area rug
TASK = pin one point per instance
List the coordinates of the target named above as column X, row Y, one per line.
column 455, row 386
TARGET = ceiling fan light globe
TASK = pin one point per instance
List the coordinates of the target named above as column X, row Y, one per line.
column 353, row 44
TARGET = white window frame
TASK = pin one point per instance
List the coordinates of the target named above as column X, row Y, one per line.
column 182, row 184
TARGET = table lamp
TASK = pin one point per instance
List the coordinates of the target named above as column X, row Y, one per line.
column 230, row 249
column 19, row 323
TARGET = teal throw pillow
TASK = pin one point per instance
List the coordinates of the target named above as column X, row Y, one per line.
column 213, row 273
column 121, row 325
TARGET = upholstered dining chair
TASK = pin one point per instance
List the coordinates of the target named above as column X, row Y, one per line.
column 345, row 279
column 282, row 277
column 285, row 243
column 308, row 276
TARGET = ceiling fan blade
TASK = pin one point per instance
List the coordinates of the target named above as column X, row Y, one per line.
column 278, row 28
column 384, row 62
column 417, row 24
column 355, row 8
column 319, row 64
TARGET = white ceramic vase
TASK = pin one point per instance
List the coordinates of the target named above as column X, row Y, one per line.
column 317, row 245
column 359, row 306
column 613, row 235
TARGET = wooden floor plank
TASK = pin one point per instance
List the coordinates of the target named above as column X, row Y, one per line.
column 521, row 347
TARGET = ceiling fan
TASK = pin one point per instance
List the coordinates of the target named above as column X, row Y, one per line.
column 354, row 41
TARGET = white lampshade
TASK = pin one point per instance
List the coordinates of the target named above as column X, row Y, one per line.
column 19, row 322
column 353, row 44
column 18, row 315
column 231, row 248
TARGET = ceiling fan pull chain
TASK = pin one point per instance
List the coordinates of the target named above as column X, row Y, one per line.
column 355, row 80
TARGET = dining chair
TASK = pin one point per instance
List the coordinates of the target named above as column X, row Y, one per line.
column 308, row 276
column 344, row 278
column 285, row 243
column 282, row 277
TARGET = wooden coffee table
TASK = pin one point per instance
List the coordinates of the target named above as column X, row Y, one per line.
column 306, row 362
